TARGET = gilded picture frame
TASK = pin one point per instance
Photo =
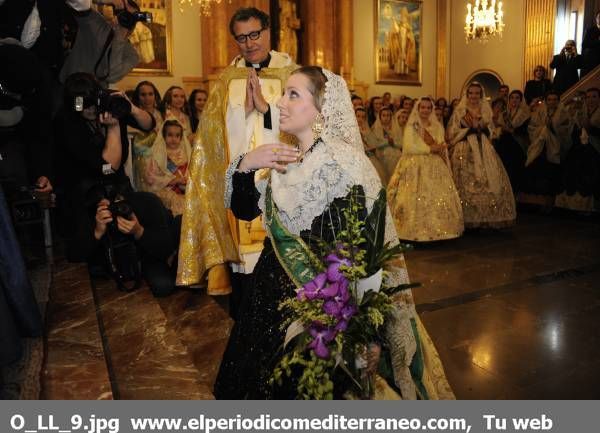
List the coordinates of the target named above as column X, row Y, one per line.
column 152, row 41
column 398, row 42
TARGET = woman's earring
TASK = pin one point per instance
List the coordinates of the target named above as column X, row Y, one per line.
column 317, row 127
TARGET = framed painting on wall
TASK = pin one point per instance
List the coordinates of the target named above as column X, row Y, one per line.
column 398, row 41
column 152, row 41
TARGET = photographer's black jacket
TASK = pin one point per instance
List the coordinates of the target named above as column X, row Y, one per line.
column 79, row 174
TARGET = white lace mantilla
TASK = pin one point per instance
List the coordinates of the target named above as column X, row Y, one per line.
column 306, row 190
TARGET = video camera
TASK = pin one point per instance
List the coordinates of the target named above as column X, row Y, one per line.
column 130, row 19
column 105, row 100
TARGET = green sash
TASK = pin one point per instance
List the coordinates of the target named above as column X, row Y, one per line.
column 296, row 258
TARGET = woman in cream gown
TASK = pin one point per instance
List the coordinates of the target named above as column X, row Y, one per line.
column 421, row 194
column 390, row 154
column 383, row 139
column 365, row 133
column 298, row 194
column 479, row 176
column 146, row 97
column 513, row 140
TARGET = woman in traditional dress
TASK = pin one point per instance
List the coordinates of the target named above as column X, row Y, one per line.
column 304, row 188
column 146, row 97
column 175, row 107
column 550, row 131
column 383, row 139
column 391, row 154
column 196, row 103
column 167, row 170
column 365, row 133
column 581, row 170
column 513, row 140
column 421, row 194
column 479, row 175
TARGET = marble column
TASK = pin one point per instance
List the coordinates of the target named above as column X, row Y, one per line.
column 345, row 36
column 319, row 39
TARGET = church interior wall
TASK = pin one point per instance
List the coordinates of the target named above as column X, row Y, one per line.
column 502, row 56
column 364, row 37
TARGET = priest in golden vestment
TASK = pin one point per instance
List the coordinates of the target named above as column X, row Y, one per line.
column 239, row 115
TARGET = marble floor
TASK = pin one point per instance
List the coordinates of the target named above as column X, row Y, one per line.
column 514, row 314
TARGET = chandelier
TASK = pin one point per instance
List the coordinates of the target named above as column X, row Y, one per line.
column 484, row 20
column 205, row 5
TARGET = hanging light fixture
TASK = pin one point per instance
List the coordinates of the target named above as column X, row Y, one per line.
column 205, row 5
column 484, row 20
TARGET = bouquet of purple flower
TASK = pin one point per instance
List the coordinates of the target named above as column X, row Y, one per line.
column 338, row 314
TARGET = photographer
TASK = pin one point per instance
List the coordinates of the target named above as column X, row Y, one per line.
column 567, row 65
column 100, row 48
column 93, row 148
column 155, row 233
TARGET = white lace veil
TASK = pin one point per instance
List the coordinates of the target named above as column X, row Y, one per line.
column 485, row 107
column 330, row 170
column 434, row 123
column 414, row 130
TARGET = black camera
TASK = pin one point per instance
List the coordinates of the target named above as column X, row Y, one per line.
column 120, row 208
column 130, row 19
column 106, row 101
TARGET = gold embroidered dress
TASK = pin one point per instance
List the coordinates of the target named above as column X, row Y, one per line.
column 142, row 150
column 421, row 193
column 480, row 178
column 208, row 235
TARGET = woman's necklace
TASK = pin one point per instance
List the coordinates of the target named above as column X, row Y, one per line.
column 307, row 151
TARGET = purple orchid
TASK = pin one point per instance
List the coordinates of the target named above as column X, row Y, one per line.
column 341, row 326
column 321, row 336
column 344, row 316
column 311, row 289
column 333, row 269
column 336, row 303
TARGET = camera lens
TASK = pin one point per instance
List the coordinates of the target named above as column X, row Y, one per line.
column 118, row 106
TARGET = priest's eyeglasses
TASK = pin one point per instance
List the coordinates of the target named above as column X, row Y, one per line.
column 241, row 39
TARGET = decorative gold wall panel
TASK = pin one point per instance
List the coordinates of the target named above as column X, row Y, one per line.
column 345, row 36
column 442, row 50
column 540, row 18
column 319, row 39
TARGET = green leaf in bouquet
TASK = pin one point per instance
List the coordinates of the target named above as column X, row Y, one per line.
column 374, row 231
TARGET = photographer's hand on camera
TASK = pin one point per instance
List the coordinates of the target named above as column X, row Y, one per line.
column 126, row 226
column 130, row 226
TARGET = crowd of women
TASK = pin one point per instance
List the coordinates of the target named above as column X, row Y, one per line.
column 447, row 166
column 161, row 157
column 465, row 164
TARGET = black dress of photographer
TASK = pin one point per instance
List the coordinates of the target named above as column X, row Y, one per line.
column 95, row 149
